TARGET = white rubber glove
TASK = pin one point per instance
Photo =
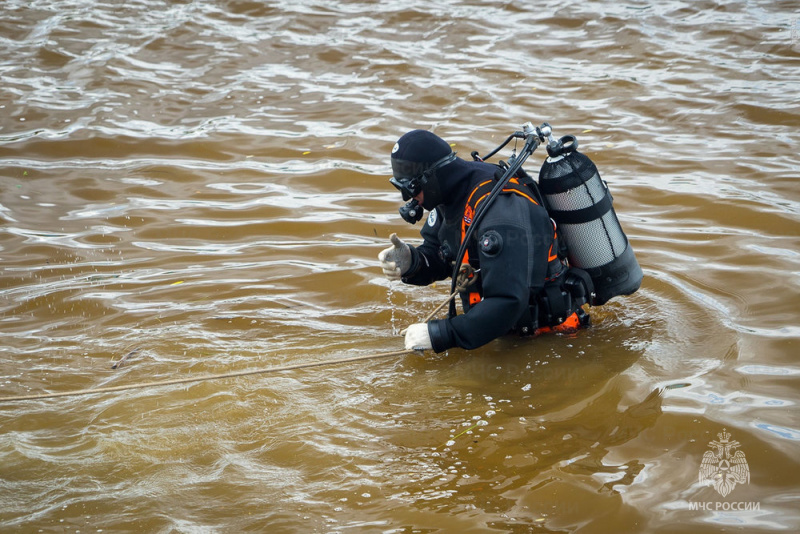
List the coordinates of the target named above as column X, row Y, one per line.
column 396, row 259
column 418, row 338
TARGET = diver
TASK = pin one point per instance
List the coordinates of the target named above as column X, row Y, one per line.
column 520, row 280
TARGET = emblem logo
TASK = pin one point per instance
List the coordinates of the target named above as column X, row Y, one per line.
column 722, row 467
column 395, row 148
column 468, row 213
column 432, row 218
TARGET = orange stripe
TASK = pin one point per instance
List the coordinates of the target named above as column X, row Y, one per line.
column 550, row 255
column 517, row 191
column 475, row 209
column 464, row 222
column 476, row 189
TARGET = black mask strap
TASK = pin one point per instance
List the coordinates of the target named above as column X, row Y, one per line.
column 411, row 177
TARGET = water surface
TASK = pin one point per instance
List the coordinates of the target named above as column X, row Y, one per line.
column 206, row 182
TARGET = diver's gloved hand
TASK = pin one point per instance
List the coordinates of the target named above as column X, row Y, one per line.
column 396, row 259
column 418, row 338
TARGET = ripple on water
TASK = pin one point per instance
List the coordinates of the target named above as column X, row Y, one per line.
column 206, row 182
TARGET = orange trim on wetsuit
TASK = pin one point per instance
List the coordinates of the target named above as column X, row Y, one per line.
column 550, row 255
column 469, row 213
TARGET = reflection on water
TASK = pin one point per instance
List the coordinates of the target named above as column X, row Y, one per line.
column 202, row 185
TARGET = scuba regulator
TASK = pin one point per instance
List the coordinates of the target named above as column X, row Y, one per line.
column 410, row 177
column 411, row 211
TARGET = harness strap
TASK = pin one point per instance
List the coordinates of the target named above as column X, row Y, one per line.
column 478, row 195
column 565, row 290
column 557, row 302
column 521, row 185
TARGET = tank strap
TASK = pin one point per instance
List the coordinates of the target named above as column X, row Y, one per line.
column 590, row 213
column 556, row 303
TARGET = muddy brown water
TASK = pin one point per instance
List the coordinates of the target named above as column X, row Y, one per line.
column 206, row 182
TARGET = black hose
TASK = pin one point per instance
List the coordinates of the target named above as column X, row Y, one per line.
column 517, row 135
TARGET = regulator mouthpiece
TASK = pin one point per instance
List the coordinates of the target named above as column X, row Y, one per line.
column 411, row 211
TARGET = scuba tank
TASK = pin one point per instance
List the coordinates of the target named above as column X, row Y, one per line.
column 579, row 202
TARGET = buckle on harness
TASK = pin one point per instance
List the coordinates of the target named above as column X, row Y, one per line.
column 580, row 286
column 558, row 306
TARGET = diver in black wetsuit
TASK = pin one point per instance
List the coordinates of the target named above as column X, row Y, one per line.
column 520, row 284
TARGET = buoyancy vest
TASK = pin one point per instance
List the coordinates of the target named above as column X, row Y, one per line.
column 558, row 301
column 523, row 186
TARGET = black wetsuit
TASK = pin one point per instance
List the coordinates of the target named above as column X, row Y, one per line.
column 513, row 261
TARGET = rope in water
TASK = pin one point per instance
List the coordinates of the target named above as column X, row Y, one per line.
column 188, row 380
column 465, row 280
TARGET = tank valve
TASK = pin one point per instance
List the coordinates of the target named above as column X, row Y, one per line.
column 546, row 132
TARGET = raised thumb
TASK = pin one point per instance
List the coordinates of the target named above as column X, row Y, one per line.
column 396, row 241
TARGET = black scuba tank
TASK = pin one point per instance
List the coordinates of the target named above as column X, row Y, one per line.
column 580, row 203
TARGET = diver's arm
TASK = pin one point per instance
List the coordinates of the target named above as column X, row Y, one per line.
column 427, row 265
column 504, row 278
